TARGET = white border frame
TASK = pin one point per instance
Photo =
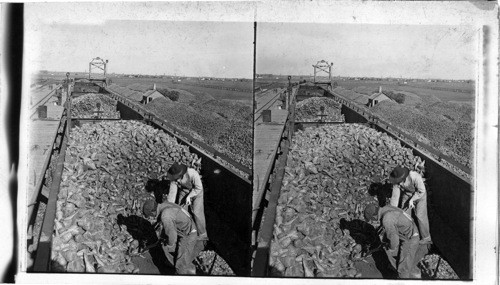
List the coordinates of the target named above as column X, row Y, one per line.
column 477, row 14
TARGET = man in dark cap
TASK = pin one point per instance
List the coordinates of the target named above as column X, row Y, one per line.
column 409, row 191
column 402, row 234
column 188, row 180
column 180, row 230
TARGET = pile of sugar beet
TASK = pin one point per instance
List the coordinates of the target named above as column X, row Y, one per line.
column 309, row 110
column 86, row 106
column 106, row 169
column 329, row 171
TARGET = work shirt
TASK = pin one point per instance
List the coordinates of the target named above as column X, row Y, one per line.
column 397, row 224
column 412, row 186
column 176, row 222
column 190, row 181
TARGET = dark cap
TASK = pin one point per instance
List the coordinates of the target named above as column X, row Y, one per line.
column 398, row 174
column 176, row 171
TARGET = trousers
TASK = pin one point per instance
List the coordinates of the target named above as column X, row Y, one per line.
column 188, row 248
column 198, row 211
column 421, row 213
column 406, row 264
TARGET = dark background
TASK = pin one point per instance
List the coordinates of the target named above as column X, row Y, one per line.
column 12, row 48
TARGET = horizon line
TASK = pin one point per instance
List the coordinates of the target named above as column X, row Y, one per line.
column 267, row 74
column 166, row 75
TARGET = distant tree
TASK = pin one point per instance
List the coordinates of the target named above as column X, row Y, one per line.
column 398, row 97
column 172, row 95
column 335, row 84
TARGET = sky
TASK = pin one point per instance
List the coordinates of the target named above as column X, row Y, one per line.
column 191, row 48
column 161, row 38
column 408, row 51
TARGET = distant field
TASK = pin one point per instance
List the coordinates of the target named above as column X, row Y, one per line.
column 267, row 85
column 281, row 82
column 143, row 84
column 445, row 90
column 244, row 85
column 47, row 79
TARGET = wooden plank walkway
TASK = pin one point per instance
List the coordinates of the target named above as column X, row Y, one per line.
column 41, row 135
column 266, row 140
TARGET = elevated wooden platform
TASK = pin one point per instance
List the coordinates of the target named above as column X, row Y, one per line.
column 266, row 140
column 41, row 135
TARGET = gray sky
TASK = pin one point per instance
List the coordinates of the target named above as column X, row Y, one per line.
column 66, row 36
column 417, row 51
column 220, row 49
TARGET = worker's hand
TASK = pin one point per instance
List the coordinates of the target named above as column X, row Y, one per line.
column 411, row 204
column 188, row 201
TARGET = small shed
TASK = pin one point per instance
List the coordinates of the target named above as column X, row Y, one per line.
column 376, row 98
column 150, row 95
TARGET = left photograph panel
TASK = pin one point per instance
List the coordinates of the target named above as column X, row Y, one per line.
column 138, row 141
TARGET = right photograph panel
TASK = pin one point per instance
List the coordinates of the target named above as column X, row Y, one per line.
column 363, row 149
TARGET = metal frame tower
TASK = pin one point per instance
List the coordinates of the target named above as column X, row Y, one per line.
column 98, row 63
column 323, row 65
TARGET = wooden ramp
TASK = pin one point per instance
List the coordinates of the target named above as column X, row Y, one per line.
column 266, row 140
column 42, row 133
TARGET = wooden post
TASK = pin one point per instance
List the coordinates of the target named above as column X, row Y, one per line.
column 68, row 106
column 314, row 73
column 254, row 68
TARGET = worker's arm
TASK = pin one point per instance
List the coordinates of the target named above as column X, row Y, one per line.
column 391, row 233
column 196, row 182
column 396, row 192
column 172, row 192
column 168, row 218
column 419, row 187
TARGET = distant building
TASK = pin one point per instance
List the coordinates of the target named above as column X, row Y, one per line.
column 376, row 98
column 150, row 95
